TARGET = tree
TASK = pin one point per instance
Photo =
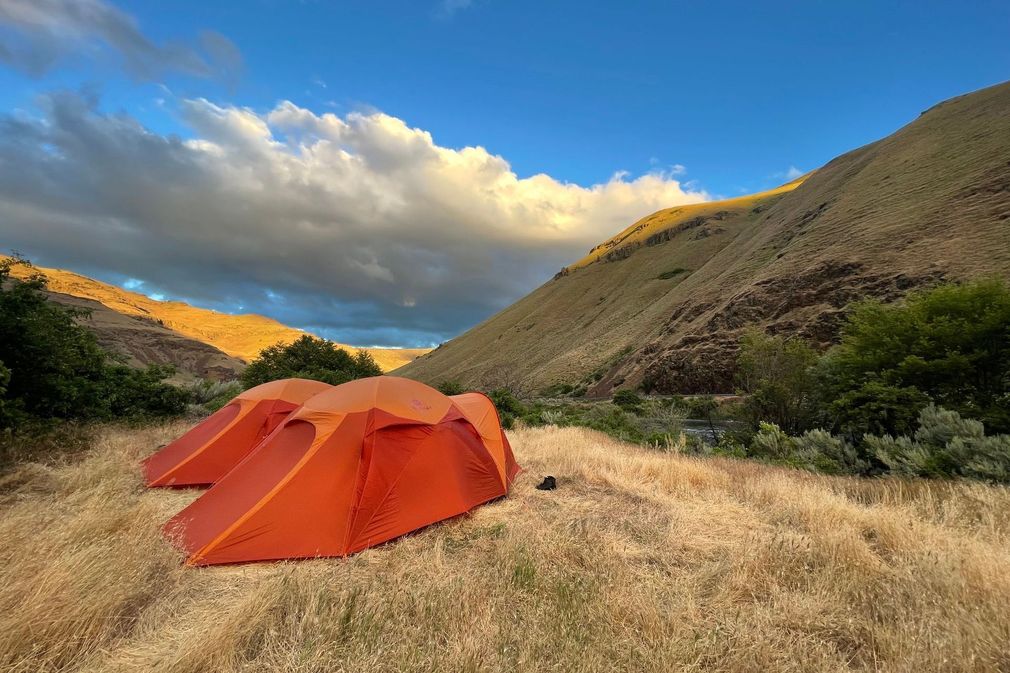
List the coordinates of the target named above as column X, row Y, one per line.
column 309, row 357
column 5, row 414
column 628, row 400
column 450, row 387
column 949, row 345
column 776, row 375
column 54, row 368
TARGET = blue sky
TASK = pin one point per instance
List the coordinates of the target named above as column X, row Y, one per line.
column 715, row 98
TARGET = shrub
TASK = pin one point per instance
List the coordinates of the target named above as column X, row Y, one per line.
column 508, row 405
column 628, row 400
column 552, row 417
column 701, row 407
column 5, row 377
column 450, row 388
column 309, row 357
column 776, row 374
column 772, row 443
column 138, row 393
column 53, row 368
column 672, row 442
column 876, row 408
column 729, row 446
column 949, row 345
column 558, row 390
column 946, row 445
column 822, row 451
column 614, row 421
column 212, row 395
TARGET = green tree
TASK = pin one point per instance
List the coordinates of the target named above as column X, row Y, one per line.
column 54, row 368
column 5, row 378
column 628, row 400
column 949, row 345
column 450, row 387
column 309, row 357
column 776, row 375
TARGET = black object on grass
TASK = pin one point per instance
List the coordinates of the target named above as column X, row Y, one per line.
column 548, row 484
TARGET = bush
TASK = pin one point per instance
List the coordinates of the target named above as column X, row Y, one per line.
column 138, row 393
column 5, row 378
column 776, row 375
column 558, row 390
column 821, row 451
column 949, row 345
column 508, row 405
column 701, row 407
column 730, row 447
column 614, row 421
column 552, row 417
column 212, row 395
column 946, row 445
column 628, row 400
column 53, row 368
column 450, row 388
column 772, row 443
column 875, row 408
column 309, row 357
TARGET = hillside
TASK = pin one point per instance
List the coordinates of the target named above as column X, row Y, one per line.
column 165, row 326
column 640, row 561
column 145, row 342
column 663, row 304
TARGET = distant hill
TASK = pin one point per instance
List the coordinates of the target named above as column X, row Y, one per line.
column 663, row 303
column 199, row 342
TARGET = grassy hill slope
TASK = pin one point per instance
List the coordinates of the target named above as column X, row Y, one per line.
column 640, row 561
column 240, row 336
column 144, row 341
column 663, row 303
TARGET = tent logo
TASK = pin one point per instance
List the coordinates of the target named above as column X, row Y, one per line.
column 419, row 405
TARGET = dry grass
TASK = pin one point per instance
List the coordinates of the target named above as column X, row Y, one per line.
column 639, row 561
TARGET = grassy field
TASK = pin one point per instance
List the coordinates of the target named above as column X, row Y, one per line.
column 639, row 561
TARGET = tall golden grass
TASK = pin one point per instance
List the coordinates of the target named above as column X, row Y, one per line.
column 638, row 561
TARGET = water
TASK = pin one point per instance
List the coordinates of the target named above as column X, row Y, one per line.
column 705, row 431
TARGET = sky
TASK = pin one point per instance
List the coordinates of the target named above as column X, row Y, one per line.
column 393, row 173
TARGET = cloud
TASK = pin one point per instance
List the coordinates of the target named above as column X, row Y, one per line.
column 367, row 228
column 36, row 35
column 447, row 8
column 790, row 173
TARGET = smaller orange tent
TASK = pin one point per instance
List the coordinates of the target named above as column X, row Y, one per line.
column 207, row 452
column 357, row 465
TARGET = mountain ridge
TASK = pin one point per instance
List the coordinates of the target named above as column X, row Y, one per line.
column 664, row 311
column 158, row 332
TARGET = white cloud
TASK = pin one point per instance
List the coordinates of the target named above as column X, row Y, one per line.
column 365, row 225
column 792, row 173
column 447, row 8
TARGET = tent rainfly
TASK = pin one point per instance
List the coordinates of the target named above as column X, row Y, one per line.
column 207, row 452
column 355, row 466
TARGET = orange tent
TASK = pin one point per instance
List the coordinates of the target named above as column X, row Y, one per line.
column 355, row 466
column 206, row 453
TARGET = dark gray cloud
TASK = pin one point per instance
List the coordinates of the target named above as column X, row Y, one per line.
column 357, row 226
column 36, row 35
